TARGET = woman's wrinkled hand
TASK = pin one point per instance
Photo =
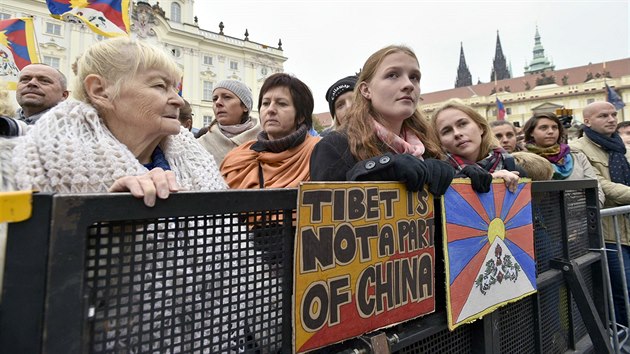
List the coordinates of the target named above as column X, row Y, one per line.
column 155, row 183
column 510, row 178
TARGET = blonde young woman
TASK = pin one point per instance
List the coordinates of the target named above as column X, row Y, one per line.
column 471, row 148
column 384, row 137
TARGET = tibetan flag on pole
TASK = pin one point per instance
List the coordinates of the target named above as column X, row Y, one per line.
column 500, row 110
column 18, row 49
column 613, row 97
column 109, row 18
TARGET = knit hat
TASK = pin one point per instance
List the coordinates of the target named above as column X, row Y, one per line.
column 239, row 89
column 339, row 88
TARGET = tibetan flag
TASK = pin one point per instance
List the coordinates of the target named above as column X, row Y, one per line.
column 17, row 49
column 488, row 248
column 109, row 18
column 500, row 110
column 613, row 97
column 180, row 87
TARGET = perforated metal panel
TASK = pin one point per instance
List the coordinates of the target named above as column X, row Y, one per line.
column 202, row 284
column 517, row 327
column 554, row 318
column 458, row 341
column 577, row 223
column 547, row 229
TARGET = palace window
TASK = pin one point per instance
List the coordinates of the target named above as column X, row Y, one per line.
column 207, row 91
column 53, row 28
column 207, row 120
column 51, row 61
column 176, row 12
column 207, row 60
column 4, row 16
column 234, row 65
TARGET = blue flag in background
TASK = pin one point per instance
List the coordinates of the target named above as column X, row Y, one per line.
column 613, row 97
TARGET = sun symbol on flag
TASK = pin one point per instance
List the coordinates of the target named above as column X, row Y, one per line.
column 79, row 4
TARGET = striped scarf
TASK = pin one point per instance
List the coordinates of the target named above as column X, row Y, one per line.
column 496, row 160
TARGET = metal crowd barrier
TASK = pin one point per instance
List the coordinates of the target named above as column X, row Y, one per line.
column 212, row 272
column 618, row 215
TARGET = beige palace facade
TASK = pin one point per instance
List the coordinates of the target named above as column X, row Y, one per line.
column 523, row 96
column 205, row 57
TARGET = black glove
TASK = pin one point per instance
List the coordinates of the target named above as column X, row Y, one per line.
column 440, row 176
column 401, row 168
column 411, row 170
column 480, row 179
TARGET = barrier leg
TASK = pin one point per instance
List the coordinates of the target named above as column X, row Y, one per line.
column 594, row 325
column 611, row 301
column 622, row 253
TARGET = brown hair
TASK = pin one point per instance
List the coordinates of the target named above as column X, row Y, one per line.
column 358, row 125
column 300, row 94
column 623, row 124
column 488, row 141
column 498, row 123
column 531, row 123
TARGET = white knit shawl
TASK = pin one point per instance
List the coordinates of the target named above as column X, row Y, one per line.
column 70, row 150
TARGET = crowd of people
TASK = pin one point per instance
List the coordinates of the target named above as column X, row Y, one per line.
column 126, row 129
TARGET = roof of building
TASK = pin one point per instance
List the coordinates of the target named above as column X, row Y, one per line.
column 324, row 119
column 576, row 75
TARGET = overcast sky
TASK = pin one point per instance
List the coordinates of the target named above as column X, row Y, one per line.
column 328, row 39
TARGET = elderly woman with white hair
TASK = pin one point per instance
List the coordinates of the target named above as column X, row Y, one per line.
column 121, row 133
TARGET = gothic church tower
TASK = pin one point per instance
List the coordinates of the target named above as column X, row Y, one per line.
column 463, row 74
column 499, row 64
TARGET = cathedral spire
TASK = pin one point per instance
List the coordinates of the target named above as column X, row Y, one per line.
column 463, row 74
column 540, row 62
column 499, row 64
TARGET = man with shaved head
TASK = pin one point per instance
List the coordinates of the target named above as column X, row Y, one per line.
column 40, row 87
column 606, row 151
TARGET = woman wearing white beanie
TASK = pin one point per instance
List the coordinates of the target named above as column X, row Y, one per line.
column 232, row 124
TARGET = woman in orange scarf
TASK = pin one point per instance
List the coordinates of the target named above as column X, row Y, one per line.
column 280, row 155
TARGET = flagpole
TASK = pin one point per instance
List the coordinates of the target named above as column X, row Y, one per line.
column 496, row 94
column 39, row 58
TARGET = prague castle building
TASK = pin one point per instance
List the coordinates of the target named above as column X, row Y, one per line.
column 205, row 57
column 543, row 88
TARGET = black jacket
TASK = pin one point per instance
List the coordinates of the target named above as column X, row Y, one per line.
column 332, row 160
